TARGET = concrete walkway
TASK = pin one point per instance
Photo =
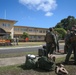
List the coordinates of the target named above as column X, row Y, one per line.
column 19, row 60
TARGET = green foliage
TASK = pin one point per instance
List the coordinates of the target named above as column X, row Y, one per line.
column 61, row 31
column 59, row 25
column 9, row 37
column 25, row 35
column 66, row 23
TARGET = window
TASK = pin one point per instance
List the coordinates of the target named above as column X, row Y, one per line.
column 3, row 25
column 16, row 29
column 40, row 31
column 39, row 37
column 23, row 29
column 30, row 30
column 43, row 31
column 6, row 25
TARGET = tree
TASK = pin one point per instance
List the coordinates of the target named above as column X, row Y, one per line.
column 25, row 35
column 61, row 31
column 66, row 23
column 59, row 25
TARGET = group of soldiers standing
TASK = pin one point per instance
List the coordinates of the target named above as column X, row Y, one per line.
column 70, row 44
column 52, row 44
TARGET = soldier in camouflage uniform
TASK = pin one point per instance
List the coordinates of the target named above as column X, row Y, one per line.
column 66, row 46
column 56, row 41
column 72, row 46
column 50, row 41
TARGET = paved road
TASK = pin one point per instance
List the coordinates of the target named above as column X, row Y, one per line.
column 22, row 49
column 18, row 50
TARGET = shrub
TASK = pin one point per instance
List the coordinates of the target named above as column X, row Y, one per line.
column 61, row 31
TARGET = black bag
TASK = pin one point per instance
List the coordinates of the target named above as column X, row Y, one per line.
column 41, row 52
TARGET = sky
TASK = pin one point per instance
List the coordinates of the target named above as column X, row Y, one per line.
column 37, row 13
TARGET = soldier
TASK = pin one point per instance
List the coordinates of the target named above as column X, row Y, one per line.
column 50, row 41
column 66, row 46
column 72, row 46
column 56, row 42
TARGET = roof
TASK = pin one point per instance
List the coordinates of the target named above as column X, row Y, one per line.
column 8, row 20
column 30, row 27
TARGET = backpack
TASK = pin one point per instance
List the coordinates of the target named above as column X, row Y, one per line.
column 73, row 38
column 41, row 52
column 49, row 37
column 46, row 64
column 30, row 62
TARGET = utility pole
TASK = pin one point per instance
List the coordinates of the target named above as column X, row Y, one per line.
column 5, row 14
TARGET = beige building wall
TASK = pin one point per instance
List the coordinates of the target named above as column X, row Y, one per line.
column 35, row 33
column 8, row 26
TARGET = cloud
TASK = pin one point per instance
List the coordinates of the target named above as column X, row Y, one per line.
column 44, row 5
column 49, row 14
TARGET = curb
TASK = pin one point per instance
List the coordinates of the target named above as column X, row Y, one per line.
column 25, row 46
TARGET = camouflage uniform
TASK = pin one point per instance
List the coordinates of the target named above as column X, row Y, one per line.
column 56, row 42
column 50, row 43
column 66, row 46
column 72, row 47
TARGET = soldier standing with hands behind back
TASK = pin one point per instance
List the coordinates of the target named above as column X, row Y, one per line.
column 50, row 41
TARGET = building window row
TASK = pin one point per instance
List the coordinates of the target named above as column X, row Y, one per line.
column 39, row 31
column 32, row 37
column 23, row 29
column 20, row 29
column 30, row 30
column 16, row 29
column 5, row 24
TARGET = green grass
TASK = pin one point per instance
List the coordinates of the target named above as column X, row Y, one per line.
column 20, row 70
column 24, row 44
column 17, row 54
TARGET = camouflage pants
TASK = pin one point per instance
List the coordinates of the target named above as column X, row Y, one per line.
column 57, row 47
column 49, row 48
column 72, row 47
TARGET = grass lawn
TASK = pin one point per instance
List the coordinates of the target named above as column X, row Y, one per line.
column 21, row 70
column 24, row 44
column 17, row 54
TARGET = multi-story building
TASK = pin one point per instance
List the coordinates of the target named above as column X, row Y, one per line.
column 7, row 28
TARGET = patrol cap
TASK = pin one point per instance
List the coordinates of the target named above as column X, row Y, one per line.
column 50, row 29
